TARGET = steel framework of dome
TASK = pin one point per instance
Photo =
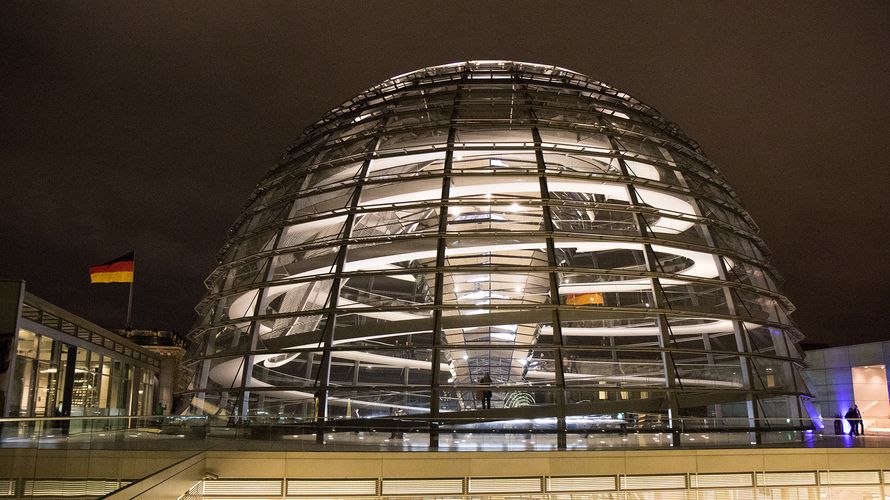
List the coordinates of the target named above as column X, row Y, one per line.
column 501, row 220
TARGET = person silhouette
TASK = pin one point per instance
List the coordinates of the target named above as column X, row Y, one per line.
column 857, row 421
column 850, row 416
column 486, row 393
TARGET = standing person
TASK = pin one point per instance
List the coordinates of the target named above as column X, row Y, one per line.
column 395, row 426
column 486, row 393
column 850, row 416
column 857, row 421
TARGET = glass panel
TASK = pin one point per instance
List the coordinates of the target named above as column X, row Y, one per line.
column 23, row 387
column 571, row 252
column 501, row 136
column 675, row 229
column 393, row 256
column 604, row 369
column 263, row 218
column 396, row 222
column 304, row 263
column 357, row 126
column 605, row 329
column 705, row 371
column 715, row 211
column 424, row 116
column 609, row 290
column 371, row 402
column 251, row 246
column 760, row 338
column 391, row 325
column 297, row 370
column 414, row 138
column 487, row 288
column 736, row 243
column 587, row 191
column 684, row 296
column 244, row 274
column 316, row 231
column 744, row 272
column 560, row 162
column 224, row 372
column 650, row 170
column 344, row 150
column 756, row 306
column 326, row 176
column 520, row 251
column 297, row 327
column 405, row 192
column 406, row 165
column 321, row 203
column 487, row 187
column 230, row 338
column 517, row 161
column 494, row 217
column 582, row 218
column 578, row 138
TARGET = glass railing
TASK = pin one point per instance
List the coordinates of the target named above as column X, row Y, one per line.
column 88, row 457
column 405, row 433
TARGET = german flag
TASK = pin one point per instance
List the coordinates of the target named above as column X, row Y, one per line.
column 119, row 270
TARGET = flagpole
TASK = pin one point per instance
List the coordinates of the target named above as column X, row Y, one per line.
column 130, row 299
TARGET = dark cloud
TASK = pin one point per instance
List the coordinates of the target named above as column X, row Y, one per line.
column 144, row 125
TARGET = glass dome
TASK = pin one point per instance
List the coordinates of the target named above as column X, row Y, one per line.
column 488, row 241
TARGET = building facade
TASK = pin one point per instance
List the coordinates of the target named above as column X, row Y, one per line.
column 487, row 241
column 56, row 364
column 170, row 349
column 847, row 375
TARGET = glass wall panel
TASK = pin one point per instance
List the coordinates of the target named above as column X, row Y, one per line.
column 353, row 327
column 605, row 329
column 577, row 253
column 229, row 338
column 414, row 138
column 675, row 229
column 346, row 149
column 406, row 192
column 756, row 306
column 304, row 263
column 259, row 220
column 24, row 380
column 495, row 137
column 582, row 218
column 406, row 221
column 494, row 216
column 578, row 138
column 297, row 370
column 399, row 166
column 321, row 203
column 683, row 296
column 47, row 378
column 605, row 290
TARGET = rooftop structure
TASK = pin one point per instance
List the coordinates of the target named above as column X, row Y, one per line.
column 479, row 243
column 56, row 364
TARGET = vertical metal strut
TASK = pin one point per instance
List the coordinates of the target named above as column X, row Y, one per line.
column 665, row 340
column 554, row 294
column 438, row 333
column 323, row 379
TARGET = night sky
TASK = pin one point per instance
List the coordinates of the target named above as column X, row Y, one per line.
column 145, row 125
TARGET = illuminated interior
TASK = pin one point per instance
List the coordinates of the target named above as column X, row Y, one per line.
column 501, row 219
column 870, row 394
